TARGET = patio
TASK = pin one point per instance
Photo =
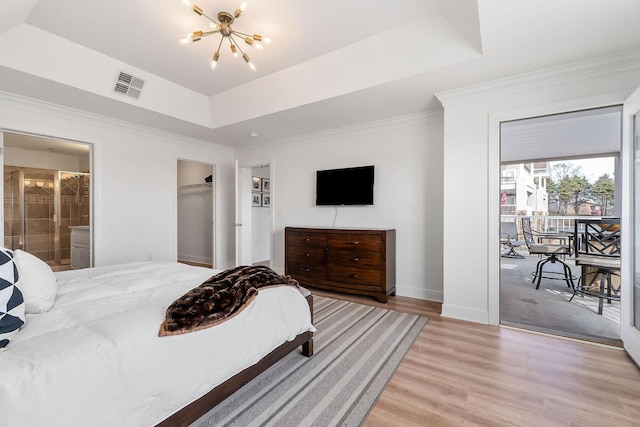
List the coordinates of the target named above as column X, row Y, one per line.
column 548, row 309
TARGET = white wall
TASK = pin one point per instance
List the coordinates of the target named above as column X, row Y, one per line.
column 472, row 119
column 42, row 159
column 407, row 155
column 134, row 179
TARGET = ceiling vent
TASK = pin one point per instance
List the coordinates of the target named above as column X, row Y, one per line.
column 128, row 85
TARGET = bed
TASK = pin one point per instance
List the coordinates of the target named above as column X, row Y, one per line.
column 95, row 358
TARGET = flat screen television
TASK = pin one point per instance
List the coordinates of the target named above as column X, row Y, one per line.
column 348, row 186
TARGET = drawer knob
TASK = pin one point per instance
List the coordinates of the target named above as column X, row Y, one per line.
column 353, row 259
column 306, row 239
column 352, row 242
column 306, row 270
column 307, row 254
column 352, row 276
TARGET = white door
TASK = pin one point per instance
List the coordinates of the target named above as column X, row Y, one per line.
column 630, row 300
column 243, row 215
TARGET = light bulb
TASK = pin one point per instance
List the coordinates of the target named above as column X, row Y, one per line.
column 214, row 61
column 266, row 39
column 258, row 45
column 214, row 25
column 187, row 3
column 194, row 37
column 248, row 61
column 185, row 40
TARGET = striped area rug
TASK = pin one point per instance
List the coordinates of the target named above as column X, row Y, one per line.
column 356, row 350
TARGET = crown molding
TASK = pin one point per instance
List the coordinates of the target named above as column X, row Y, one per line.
column 598, row 67
column 409, row 120
column 31, row 105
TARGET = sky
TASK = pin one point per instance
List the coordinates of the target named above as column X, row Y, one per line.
column 592, row 169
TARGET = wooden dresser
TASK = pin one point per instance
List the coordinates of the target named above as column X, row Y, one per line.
column 358, row 261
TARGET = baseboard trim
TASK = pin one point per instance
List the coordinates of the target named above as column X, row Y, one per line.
column 465, row 313
column 195, row 259
column 419, row 293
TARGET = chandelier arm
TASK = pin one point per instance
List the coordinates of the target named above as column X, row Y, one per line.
column 210, row 19
column 243, row 34
column 220, row 44
column 236, row 43
column 208, row 33
column 198, row 10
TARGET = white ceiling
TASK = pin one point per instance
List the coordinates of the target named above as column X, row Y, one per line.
column 578, row 134
column 331, row 63
column 35, row 143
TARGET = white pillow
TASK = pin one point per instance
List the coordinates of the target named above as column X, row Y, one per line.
column 37, row 282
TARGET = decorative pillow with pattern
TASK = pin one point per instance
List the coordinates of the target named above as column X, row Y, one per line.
column 12, row 308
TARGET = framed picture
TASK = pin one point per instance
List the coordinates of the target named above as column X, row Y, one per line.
column 266, row 200
column 256, row 184
column 266, row 185
column 256, row 199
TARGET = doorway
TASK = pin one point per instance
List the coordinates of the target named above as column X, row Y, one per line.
column 47, row 199
column 254, row 224
column 261, row 215
column 532, row 150
column 195, row 213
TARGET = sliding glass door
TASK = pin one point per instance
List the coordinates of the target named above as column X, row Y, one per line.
column 636, row 277
column 630, row 306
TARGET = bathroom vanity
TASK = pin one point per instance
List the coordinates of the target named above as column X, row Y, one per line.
column 80, row 246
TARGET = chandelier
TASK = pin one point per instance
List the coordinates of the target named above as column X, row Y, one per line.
column 222, row 26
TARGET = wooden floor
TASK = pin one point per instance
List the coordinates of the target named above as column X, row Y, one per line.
column 465, row 374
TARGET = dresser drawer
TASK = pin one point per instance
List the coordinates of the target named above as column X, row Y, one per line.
column 297, row 269
column 355, row 258
column 306, row 255
column 356, row 276
column 352, row 241
column 302, row 238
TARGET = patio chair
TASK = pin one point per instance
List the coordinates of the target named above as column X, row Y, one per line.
column 509, row 240
column 550, row 252
column 597, row 249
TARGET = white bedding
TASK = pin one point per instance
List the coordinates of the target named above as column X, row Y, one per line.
column 96, row 359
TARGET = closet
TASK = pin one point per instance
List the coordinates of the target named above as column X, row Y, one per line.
column 195, row 212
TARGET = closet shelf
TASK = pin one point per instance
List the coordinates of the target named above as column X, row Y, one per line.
column 203, row 185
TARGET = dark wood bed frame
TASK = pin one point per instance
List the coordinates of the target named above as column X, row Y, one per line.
column 198, row 408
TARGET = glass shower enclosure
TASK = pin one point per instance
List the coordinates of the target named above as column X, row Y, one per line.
column 39, row 207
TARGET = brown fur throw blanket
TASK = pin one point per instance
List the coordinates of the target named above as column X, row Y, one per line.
column 219, row 298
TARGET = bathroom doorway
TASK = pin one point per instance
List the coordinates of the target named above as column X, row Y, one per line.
column 47, row 199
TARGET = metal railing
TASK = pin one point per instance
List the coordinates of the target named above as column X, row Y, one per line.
column 549, row 224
